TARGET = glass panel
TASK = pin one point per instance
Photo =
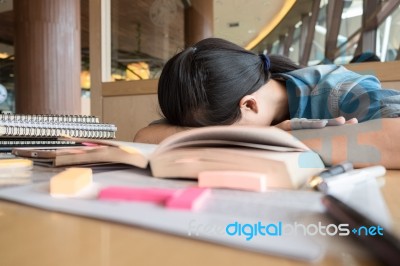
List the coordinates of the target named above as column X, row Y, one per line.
column 388, row 37
column 275, row 47
column 144, row 34
column 295, row 47
column 351, row 22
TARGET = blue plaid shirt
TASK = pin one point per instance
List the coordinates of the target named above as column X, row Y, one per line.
column 328, row 91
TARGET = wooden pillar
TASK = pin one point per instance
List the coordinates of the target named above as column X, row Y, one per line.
column 199, row 19
column 367, row 42
column 47, row 56
column 288, row 41
column 305, row 20
column 309, row 22
column 374, row 13
column 398, row 54
column 269, row 47
column 333, row 20
column 281, row 45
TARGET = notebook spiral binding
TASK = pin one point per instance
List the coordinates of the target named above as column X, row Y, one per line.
column 81, row 126
column 49, row 118
column 39, row 141
column 60, row 131
column 38, row 125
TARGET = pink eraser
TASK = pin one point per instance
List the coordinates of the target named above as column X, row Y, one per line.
column 154, row 195
column 244, row 180
column 190, row 198
column 89, row 144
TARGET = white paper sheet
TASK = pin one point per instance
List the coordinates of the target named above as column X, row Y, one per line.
column 224, row 207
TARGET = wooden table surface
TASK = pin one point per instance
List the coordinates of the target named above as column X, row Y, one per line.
column 31, row 236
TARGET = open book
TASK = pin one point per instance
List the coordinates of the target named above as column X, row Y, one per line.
column 286, row 161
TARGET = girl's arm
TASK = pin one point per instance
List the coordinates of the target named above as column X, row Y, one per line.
column 159, row 130
column 369, row 143
column 155, row 133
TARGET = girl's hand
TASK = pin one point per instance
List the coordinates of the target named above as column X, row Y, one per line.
column 304, row 123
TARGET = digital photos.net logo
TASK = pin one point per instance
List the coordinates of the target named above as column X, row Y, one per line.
column 249, row 231
column 260, row 229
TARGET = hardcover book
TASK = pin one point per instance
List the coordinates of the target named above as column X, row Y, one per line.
column 285, row 160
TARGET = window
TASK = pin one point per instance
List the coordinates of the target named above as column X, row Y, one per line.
column 144, row 35
column 7, row 102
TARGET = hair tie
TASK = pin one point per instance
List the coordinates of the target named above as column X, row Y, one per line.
column 267, row 63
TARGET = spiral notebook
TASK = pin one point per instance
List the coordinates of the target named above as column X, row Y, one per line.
column 50, row 118
column 18, row 130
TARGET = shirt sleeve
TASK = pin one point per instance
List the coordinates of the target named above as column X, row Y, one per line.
column 328, row 91
column 366, row 100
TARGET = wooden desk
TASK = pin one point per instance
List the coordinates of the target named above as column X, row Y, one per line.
column 30, row 236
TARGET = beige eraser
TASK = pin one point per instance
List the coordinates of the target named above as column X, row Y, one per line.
column 243, row 180
column 70, row 181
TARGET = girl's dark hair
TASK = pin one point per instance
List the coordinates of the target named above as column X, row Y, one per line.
column 203, row 85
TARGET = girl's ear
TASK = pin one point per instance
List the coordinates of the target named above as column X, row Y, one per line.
column 248, row 103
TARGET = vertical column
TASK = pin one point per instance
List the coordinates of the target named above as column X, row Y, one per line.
column 47, row 54
column 268, row 47
column 97, row 62
column 199, row 20
column 288, row 41
column 305, row 20
column 333, row 20
column 367, row 42
column 282, row 38
column 310, row 22
column 398, row 54
column 374, row 13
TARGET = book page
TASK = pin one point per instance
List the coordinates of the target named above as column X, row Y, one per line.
column 231, row 144
column 144, row 149
column 256, row 135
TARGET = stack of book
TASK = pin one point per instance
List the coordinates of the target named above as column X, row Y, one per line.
column 17, row 130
